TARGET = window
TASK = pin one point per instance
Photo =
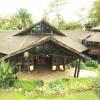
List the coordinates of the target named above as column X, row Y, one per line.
column 42, row 28
column 37, row 29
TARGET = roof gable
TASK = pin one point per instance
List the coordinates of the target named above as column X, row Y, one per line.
column 46, row 39
column 41, row 27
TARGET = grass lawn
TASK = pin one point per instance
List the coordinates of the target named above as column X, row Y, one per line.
column 89, row 95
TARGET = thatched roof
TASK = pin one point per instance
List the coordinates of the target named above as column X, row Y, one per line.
column 14, row 42
column 70, row 43
column 80, row 35
column 8, row 32
column 75, row 35
column 62, row 41
column 94, row 38
column 97, row 28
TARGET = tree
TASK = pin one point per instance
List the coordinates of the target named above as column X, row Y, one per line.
column 20, row 20
column 89, row 25
column 73, row 26
column 56, row 7
column 6, row 23
column 46, row 14
column 63, row 25
column 94, row 13
column 23, row 19
column 6, row 74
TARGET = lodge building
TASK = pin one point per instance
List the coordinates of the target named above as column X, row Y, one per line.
column 43, row 45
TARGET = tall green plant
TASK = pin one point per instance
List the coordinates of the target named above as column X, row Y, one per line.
column 94, row 14
column 91, row 63
column 6, row 74
column 23, row 19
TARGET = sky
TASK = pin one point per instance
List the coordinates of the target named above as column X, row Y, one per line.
column 71, row 11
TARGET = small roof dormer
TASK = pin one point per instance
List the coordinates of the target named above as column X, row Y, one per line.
column 39, row 28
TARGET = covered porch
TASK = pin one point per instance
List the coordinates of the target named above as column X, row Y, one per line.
column 48, row 56
column 45, row 74
column 43, row 67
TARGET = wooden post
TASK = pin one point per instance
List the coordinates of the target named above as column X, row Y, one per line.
column 69, row 61
column 19, row 67
column 33, row 62
column 64, row 62
column 99, row 54
column 78, row 68
column 75, row 69
column 52, row 62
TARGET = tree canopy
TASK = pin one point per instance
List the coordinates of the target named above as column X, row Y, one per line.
column 23, row 18
column 64, row 25
column 56, row 7
column 94, row 14
column 20, row 20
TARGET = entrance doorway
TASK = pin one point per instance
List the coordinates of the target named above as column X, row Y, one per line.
column 43, row 62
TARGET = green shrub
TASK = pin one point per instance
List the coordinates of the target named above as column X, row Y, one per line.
column 82, row 65
column 25, row 85
column 96, row 85
column 7, row 75
column 39, row 83
column 55, row 85
column 91, row 63
column 79, row 83
column 56, row 88
column 70, row 85
column 99, row 70
column 96, row 82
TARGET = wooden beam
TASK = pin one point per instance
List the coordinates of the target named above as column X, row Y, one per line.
column 99, row 55
column 78, row 68
column 52, row 61
column 75, row 69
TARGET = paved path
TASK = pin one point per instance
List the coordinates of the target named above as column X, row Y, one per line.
column 87, row 73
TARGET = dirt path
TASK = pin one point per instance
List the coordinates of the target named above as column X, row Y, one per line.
column 53, row 75
column 45, row 75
